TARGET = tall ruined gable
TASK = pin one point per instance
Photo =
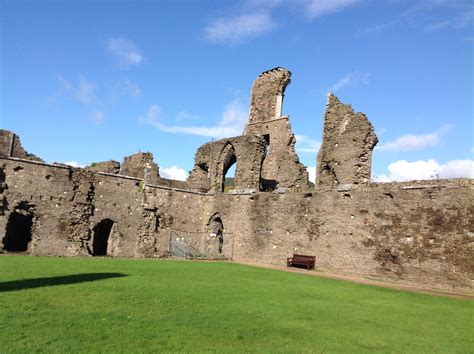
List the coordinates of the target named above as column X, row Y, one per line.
column 281, row 167
column 345, row 156
column 267, row 93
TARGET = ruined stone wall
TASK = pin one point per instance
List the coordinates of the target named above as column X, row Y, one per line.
column 281, row 166
column 137, row 165
column 10, row 146
column 345, row 156
column 110, row 166
column 419, row 233
column 68, row 202
column 214, row 159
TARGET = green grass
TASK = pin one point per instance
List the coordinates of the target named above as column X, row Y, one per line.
column 125, row 305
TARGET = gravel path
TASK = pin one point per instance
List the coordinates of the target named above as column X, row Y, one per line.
column 360, row 280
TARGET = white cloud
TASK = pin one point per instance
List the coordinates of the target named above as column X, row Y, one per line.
column 75, row 164
column 311, row 173
column 231, row 124
column 240, row 28
column 355, row 78
column 305, row 144
column 174, row 172
column 411, row 142
column 427, row 169
column 125, row 51
column 184, row 116
column 84, row 92
column 317, row 8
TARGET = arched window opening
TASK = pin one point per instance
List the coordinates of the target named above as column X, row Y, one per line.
column 229, row 178
column 18, row 234
column 101, row 235
column 229, row 165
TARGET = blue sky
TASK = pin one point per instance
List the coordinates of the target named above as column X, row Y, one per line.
column 87, row 81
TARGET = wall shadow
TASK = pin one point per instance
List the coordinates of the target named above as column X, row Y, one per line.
column 23, row 284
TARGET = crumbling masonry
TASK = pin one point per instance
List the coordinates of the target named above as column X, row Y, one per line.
column 419, row 232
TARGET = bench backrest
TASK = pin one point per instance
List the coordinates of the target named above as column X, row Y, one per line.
column 303, row 258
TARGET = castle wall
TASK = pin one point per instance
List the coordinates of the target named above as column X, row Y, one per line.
column 420, row 232
column 68, row 202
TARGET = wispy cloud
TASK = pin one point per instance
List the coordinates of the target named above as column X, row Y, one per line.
column 355, row 78
column 131, row 88
column 239, row 29
column 125, row 51
column 317, row 8
column 231, row 123
column 84, row 92
column 426, row 169
column 253, row 18
column 305, row 144
column 174, row 172
column 377, row 28
column 412, row 142
column 437, row 26
column 450, row 15
column 124, row 88
column 186, row 116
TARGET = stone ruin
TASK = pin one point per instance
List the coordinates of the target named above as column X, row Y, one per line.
column 417, row 232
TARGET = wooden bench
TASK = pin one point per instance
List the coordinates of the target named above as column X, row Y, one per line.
column 301, row 260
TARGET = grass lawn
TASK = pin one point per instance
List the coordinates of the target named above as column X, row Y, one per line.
column 127, row 305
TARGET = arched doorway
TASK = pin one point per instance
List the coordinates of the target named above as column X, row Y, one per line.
column 216, row 234
column 18, row 234
column 101, row 234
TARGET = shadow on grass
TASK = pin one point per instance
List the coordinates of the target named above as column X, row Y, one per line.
column 15, row 285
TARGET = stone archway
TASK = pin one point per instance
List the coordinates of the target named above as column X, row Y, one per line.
column 18, row 233
column 216, row 235
column 101, row 236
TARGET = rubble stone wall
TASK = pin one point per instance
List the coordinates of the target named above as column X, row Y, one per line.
column 345, row 156
column 68, row 203
column 420, row 232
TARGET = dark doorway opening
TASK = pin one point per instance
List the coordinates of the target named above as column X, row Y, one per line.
column 101, row 237
column 18, row 234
